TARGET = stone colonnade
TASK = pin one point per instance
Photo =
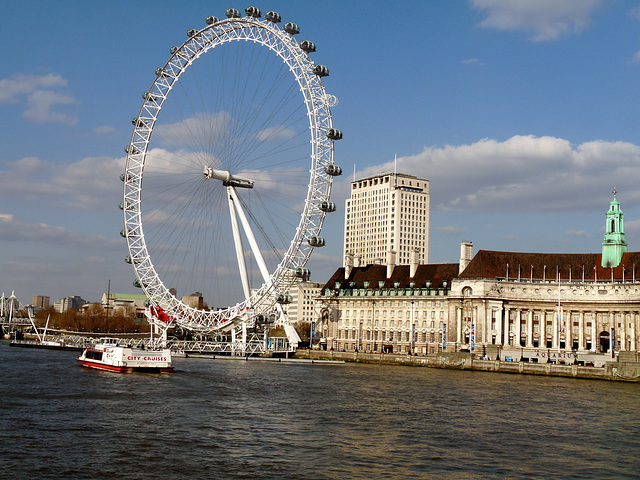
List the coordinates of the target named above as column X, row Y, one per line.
column 578, row 328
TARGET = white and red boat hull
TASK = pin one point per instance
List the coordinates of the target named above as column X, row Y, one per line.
column 108, row 355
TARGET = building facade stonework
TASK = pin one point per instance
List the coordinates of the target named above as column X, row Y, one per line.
column 521, row 306
column 386, row 308
column 439, row 309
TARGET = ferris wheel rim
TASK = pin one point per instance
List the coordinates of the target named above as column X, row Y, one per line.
column 312, row 217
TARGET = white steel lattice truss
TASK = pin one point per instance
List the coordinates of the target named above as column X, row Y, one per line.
column 269, row 35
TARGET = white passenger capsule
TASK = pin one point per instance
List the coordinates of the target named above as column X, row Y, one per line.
column 333, row 170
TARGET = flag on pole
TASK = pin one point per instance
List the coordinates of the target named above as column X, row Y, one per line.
column 473, row 337
column 444, row 337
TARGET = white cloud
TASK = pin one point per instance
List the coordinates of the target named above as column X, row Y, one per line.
column 451, row 229
column 274, row 133
column 472, row 61
column 13, row 230
column 200, row 129
column 11, row 89
column 41, row 97
column 41, row 105
column 525, row 174
column 90, row 184
column 544, row 19
column 104, row 130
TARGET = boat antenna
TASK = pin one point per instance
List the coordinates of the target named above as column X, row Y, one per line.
column 106, row 325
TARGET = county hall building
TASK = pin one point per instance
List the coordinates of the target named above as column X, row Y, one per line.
column 529, row 306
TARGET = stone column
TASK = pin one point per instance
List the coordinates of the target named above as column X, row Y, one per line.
column 632, row 331
column 623, row 332
column 507, row 316
column 517, row 328
column 567, row 329
column 459, row 324
column 481, row 333
column 555, row 336
column 581, row 328
column 530, row 329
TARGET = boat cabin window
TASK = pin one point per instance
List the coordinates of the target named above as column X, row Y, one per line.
column 94, row 355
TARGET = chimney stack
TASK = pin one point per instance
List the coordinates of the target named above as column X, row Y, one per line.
column 348, row 265
column 466, row 255
column 391, row 263
column 413, row 262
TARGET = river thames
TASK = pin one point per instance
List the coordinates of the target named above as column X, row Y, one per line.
column 215, row 419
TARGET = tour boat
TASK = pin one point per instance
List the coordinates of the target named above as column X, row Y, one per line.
column 111, row 354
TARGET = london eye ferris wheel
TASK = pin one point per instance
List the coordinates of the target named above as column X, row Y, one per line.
column 228, row 172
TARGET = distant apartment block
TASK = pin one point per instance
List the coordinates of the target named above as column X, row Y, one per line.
column 388, row 212
column 195, row 300
column 120, row 301
column 68, row 303
column 40, row 302
column 303, row 307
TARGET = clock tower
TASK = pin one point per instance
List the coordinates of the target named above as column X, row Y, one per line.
column 614, row 245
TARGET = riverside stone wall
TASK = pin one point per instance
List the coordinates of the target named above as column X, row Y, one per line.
column 628, row 371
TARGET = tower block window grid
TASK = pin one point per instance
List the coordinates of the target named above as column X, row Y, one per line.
column 387, row 212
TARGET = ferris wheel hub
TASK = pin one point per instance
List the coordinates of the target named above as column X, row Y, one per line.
column 226, row 178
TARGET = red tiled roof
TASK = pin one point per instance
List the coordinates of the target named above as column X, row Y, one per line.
column 490, row 264
column 434, row 273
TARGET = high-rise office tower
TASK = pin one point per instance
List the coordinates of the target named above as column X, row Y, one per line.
column 387, row 213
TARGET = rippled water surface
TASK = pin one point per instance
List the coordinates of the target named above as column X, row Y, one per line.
column 236, row 419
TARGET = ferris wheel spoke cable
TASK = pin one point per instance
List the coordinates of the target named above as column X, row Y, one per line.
column 261, row 229
column 250, row 127
column 273, row 222
column 287, row 206
column 278, row 148
column 196, row 239
column 170, row 202
column 173, row 231
column 287, row 122
column 257, row 130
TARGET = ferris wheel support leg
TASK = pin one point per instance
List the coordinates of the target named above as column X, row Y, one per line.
column 242, row 266
column 289, row 330
column 244, row 338
column 252, row 239
column 233, row 342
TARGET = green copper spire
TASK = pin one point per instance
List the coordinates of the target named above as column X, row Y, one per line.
column 614, row 245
